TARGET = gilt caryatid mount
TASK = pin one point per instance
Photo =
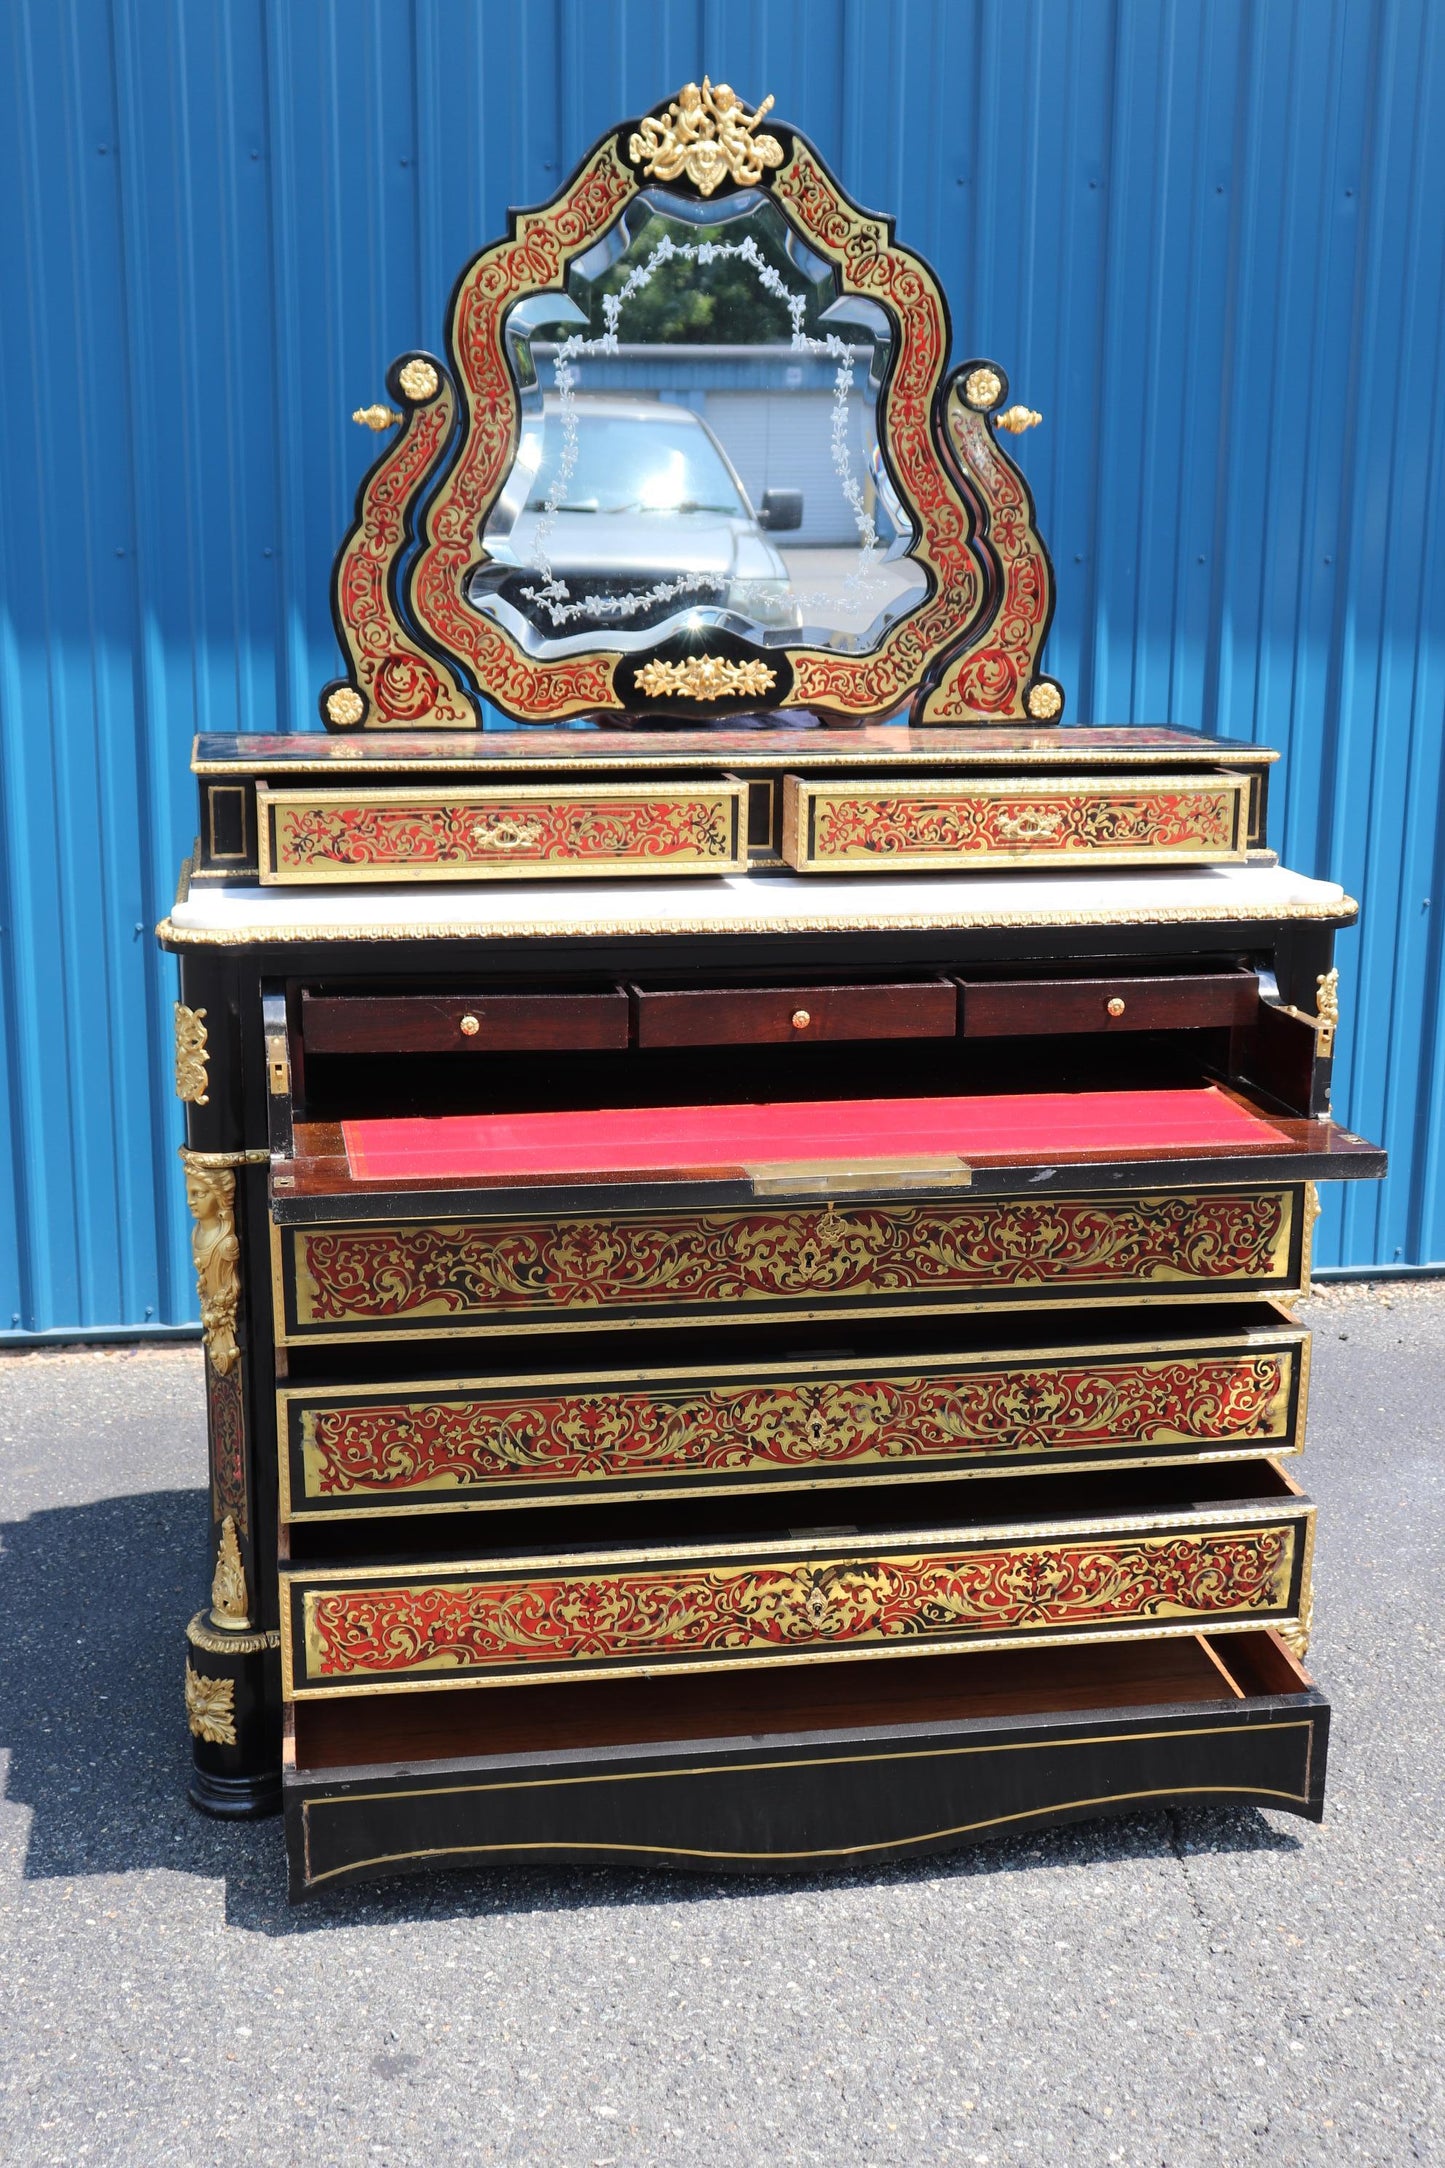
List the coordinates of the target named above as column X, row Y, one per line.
column 695, row 452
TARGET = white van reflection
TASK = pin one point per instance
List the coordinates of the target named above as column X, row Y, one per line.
column 652, row 521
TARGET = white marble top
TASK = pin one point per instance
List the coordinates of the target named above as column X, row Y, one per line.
column 751, row 903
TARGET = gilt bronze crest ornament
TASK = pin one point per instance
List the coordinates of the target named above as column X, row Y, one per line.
column 695, row 452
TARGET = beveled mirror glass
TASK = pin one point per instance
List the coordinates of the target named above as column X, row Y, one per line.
column 699, row 444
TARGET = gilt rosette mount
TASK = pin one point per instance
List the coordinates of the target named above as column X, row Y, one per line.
column 695, row 452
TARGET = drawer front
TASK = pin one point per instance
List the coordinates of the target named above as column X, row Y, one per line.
column 360, row 1450
column 860, row 827
column 460, row 1023
column 1003, row 1008
column 398, row 1280
column 792, row 1015
column 577, row 831
column 399, row 1627
column 798, row 1802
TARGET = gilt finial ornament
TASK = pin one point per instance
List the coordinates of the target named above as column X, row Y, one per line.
column 706, row 136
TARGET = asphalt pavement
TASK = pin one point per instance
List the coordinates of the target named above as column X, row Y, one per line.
column 1183, row 1989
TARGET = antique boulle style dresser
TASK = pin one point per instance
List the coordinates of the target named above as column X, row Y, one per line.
column 746, row 1219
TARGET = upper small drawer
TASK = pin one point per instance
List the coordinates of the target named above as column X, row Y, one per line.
column 793, row 1015
column 1179, row 1001
column 487, row 1023
column 572, row 831
column 914, row 825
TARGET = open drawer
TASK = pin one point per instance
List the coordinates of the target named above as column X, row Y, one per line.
column 544, row 1269
column 813, row 1768
column 935, row 1567
column 893, row 1406
column 956, row 824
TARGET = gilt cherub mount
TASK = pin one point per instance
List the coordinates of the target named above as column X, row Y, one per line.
column 960, row 645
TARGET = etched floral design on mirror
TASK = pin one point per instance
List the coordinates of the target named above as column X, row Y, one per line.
column 699, row 445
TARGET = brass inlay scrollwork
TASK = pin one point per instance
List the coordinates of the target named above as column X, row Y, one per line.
column 216, row 1247
column 230, row 1604
column 1033, row 824
column 704, row 677
column 504, row 834
column 708, row 135
column 191, row 1079
column 211, row 1708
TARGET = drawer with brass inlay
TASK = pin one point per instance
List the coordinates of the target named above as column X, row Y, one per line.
column 922, row 824
column 1161, row 1551
column 527, row 832
column 394, row 1280
column 590, row 1437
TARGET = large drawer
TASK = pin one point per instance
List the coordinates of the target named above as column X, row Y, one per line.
column 1167, row 1565
column 526, row 832
column 924, row 824
column 818, row 1767
column 399, row 1279
column 353, row 1451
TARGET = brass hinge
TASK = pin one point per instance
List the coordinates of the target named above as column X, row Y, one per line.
column 825, row 1178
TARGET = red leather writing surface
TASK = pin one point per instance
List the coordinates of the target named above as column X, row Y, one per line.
column 612, row 1140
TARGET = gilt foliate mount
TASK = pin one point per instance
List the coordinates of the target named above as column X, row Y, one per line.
column 579, row 516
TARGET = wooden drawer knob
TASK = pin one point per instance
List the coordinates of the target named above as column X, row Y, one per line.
column 801, row 1019
column 470, row 1026
column 1116, row 1006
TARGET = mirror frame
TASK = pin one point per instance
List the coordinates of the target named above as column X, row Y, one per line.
column 420, row 655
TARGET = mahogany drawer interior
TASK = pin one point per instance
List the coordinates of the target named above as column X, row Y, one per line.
column 929, row 1510
column 1011, row 1683
column 789, row 1014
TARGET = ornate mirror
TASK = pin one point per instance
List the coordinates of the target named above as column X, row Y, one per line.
column 695, row 453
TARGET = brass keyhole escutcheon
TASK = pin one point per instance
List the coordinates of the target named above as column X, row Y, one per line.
column 801, row 1019
column 470, row 1027
column 1116, row 1006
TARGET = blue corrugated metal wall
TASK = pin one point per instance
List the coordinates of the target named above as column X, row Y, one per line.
column 1204, row 237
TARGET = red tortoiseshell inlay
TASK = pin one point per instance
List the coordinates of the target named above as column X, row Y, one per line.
column 1039, row 822
column 394, row 1445
column 688, row 1610
column 312, row 834
column 570, row 1267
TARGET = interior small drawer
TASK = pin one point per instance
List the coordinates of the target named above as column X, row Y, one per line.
column 817, row 1766
column 1162, row 1551
column 783, row 1015
column 529, row 832
column 921, row 825
column 1004, row 1008
column 463, row 1023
